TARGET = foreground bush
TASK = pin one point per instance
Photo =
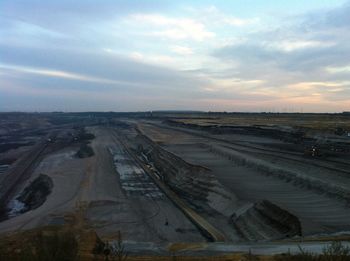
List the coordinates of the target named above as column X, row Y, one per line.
column 44, row 246
column 334, row 252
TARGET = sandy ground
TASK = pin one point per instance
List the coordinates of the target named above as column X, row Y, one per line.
column 318, row 213
column 90, row 190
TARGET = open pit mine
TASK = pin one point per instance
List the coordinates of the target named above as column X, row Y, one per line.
column 215, row 183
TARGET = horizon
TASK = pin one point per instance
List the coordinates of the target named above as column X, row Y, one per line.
column 175, row 111
column 141, row 56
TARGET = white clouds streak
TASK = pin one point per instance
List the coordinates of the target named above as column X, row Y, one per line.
column 172, row 28
column 182, row 50
column 147, row 51
column 58, row 74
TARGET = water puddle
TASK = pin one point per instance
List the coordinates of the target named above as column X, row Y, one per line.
column 15, row 207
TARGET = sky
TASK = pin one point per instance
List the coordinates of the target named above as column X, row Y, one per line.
column 113, row 55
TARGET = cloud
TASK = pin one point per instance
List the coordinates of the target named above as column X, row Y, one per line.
column 293, row 45
column 182, row 50
column 158, row 54
column 63, row 13
column 57, row 74
column 92, row 75
column 234, row 21
column 289, row 55
column 336, row 18
column 304, row 47
column 336, row 70
column 211, row 15
column 154, row 59
column 305, row 62
column 19, row 33
column 172, row 28
column 93, row 64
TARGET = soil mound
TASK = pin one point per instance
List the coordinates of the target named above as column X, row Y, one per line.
column 85, row 151
column 34, row 195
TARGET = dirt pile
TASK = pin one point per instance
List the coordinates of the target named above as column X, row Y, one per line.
column 266, row 221
column 85, row 151
column 34, row 195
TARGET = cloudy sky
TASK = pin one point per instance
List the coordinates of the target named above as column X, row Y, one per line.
column 242, row 55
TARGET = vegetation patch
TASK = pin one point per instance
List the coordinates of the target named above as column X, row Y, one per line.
column 64, row 243
column 334, row 252
column 52, row 244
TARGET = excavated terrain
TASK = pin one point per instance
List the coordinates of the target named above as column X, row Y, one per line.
column 265, row 221
column 164, row 180
column 313, row 193
column 194, row 183
column 239, row 219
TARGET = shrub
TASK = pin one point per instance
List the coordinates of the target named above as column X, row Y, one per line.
column 333, row 252
column 43, row 246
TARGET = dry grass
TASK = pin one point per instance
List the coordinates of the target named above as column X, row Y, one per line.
column 233, row 257
column 63, row 243
column 41, row 245
column 185, row 246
